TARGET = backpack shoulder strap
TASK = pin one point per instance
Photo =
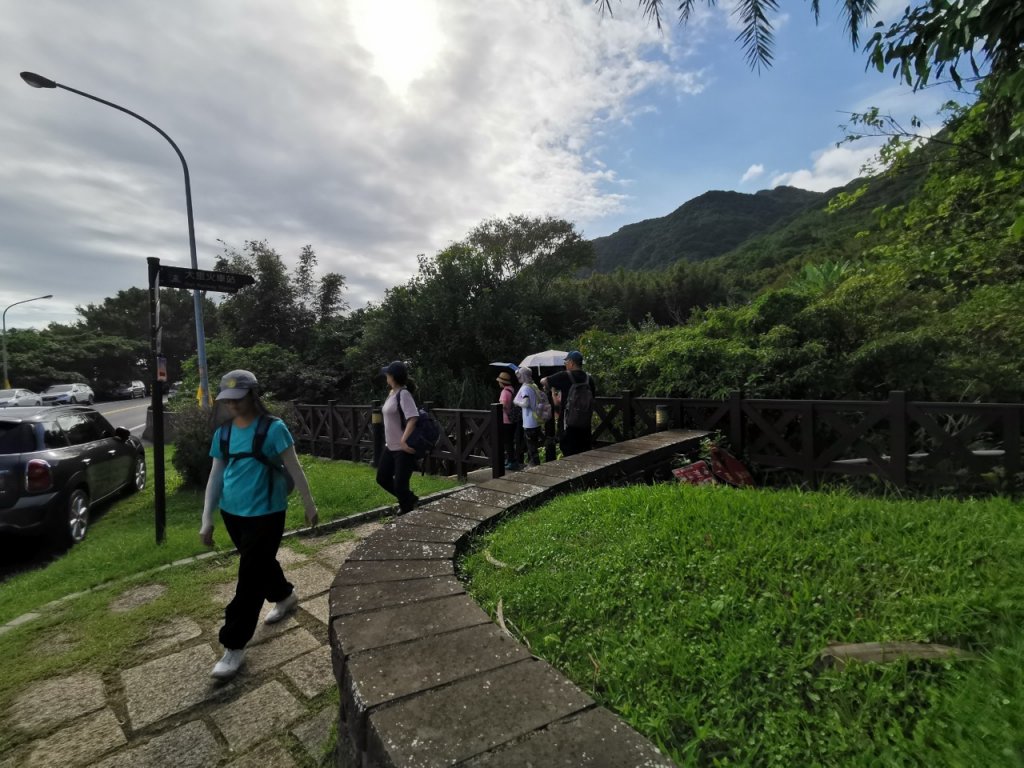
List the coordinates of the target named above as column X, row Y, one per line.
column 401, row 413
column 260, row 438
column 225, row 439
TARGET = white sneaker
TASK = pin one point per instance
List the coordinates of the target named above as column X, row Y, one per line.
column 229, row 664
column 282, row 608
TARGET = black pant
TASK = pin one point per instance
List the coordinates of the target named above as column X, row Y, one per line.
column 575, row 440
column 508, row 438
column 393, row 475
column 259, row 574
column 533, row 441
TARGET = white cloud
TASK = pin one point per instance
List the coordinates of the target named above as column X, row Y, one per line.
column 372, row 138
column 831, row 168
column 752, row 172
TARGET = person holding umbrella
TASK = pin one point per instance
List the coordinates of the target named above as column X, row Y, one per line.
column 576, row 392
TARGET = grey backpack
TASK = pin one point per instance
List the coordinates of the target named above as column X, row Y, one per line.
column 579, row 402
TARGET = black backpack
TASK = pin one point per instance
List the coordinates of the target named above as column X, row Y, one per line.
column 579, row 402
column 274, row 467
column 425, row 433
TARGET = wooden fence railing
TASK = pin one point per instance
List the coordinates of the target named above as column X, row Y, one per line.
column 896, row 440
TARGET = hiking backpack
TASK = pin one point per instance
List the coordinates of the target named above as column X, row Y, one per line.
column 579, row 403
column 543, row 411
column 425, row 433
column 258, row 440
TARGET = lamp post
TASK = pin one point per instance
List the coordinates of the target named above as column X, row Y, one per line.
column 38, row 81
column 3, row 335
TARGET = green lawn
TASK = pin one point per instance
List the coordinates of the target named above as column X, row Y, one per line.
column 122, row 539
column 698, row 614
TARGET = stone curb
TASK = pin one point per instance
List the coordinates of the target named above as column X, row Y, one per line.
column 425, row 676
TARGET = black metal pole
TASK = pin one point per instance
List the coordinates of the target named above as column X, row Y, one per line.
column 157, row 403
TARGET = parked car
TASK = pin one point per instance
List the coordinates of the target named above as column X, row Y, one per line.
column 130, row 389
column 71, row 394
column 16, row 397
column 57, row 462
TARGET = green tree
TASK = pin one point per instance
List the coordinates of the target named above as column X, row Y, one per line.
column 126, row 315
column 499, row 294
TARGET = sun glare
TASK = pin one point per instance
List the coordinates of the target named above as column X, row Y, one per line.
column 404, row 38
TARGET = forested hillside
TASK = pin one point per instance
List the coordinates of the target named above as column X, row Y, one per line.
column 927, row 298
column 707, row 226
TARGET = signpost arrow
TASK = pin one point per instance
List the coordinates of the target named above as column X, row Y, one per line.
column 203, row 280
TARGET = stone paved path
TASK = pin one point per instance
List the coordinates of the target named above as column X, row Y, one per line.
column 165, row 709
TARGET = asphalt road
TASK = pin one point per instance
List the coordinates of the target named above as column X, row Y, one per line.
column 130, row 414
column 22, row 553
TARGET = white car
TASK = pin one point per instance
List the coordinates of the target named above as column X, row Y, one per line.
column 15, row 397
column 71, row 394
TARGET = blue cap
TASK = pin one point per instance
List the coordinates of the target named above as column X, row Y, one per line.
column 576, row 356
column 236, row 384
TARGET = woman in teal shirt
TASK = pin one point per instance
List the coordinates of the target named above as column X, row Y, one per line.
column 252, row 496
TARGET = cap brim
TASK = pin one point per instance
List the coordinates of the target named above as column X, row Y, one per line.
column 232, row 394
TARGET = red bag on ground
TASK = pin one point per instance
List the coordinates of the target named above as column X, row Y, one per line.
column 698, row 473
column 729, row 469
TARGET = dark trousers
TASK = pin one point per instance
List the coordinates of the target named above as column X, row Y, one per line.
column 508, row 439
column 393, row 475
column 575, row 440
column 534, row 438
column 259, row 574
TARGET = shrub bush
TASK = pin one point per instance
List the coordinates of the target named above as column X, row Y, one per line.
column 193, row 428
column 193, row 432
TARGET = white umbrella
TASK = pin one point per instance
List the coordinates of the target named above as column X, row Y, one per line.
column 547, row 359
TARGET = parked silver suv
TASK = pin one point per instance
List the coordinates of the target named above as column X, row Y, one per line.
column 67, row 394
column 131, row 389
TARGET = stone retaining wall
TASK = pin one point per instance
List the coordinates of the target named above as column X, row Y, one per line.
column 427, row 679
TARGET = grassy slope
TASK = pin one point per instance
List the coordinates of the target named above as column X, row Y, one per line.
column 699, row 613
column 122, row 539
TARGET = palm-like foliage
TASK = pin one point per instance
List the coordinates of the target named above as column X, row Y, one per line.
column 756, row 36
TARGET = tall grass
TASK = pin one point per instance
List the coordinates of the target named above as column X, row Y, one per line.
column 699, row 614
column 122, row 537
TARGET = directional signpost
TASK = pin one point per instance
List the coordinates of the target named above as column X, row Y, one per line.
column 192, row 280
column 203, row 280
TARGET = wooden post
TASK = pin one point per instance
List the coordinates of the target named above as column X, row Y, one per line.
column 807, row 453
column 898, row 438
column 428, row 460
column 460, row 434
column 627, row 414
column 330, row 428
column 1011, row 446
column 497, row 443
column 736, row 421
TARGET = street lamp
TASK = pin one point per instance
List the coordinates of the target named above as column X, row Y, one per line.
column 3, row 336
column 38, row 81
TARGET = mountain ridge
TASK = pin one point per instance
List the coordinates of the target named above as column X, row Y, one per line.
column 709, row 225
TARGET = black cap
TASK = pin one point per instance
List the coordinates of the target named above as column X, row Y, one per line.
column 396, row 368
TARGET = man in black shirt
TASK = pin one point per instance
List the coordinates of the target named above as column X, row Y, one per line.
column 574, row 418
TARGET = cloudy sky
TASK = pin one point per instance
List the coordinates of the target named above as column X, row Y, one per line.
column 376, row 131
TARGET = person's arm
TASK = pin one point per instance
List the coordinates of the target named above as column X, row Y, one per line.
column 522, row 398
column 214, row 486
column 409, row 424
column 291, row 463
